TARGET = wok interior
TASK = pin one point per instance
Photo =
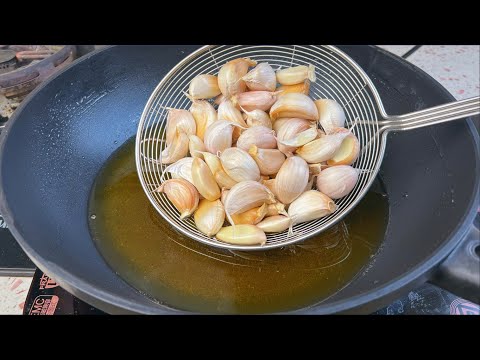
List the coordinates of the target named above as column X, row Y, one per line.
column 65, row 133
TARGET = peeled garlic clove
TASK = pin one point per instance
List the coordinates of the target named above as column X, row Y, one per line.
column 209, row 217
column 291, row 180
column 273, row 224
column 296, row 75
column 215, row 166
column 218, row 136
column 204, row 115
column 262, row 77
column 331, row 114
column 302, row 88
column 348, row 151
column 323, row 148
column 230, row 76
column 294, row 105
column 204, row 86
column 204, row 181
column 251, row 100
column 239, row 165
column 276, row 209
column 177, row 149
column 223, row 180
column 337, row 181
column 252, row 216
column 269, row 161
column 257, row 118
column 242, row 235
column 179, row 120
column 288, row 130
column 181, row 169
column 310, row 205
column 182, row 194
column 246, row 195
column 270, row 184
column 228, row 111
column 260, row 136
column 301, row 138
column 196, row 146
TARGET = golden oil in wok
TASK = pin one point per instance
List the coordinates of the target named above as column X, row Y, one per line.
column 174, row 270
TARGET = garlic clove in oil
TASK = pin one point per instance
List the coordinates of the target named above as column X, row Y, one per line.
column 179, row 120
column 294, row 105
column 260, row 136
column 239, row 165
column 204, row 115
column 204, row 180
column 331, row 114
column 337, row 181
column 291, row 180
column 296, row 74
column 196, row 146
column 209, row 217
column 348, row 151
column 242, row 235
column 303, row 88
column 269, row 161
column 204, row 86
column 276, row 223
column 251, row 100
column 182, row 194
column 181, row 169
column 261, row 78
column 177, row 149
column 311, row 205
column 252, row 216
column 230, row 76
column 322, row 149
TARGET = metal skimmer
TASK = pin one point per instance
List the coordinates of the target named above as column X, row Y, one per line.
column 338, row 78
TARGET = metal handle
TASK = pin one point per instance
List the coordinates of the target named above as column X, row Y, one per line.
column 435, row 115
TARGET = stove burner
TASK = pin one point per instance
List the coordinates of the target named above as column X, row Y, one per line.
column 8, row 61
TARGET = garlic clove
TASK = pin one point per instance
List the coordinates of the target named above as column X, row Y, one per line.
column 311, row 205
column 204, row 115
column 269, row 161
column 289, row 130
column 223, row 180
column 264, row 177
column 276, row 209
column 183, row 195
column 196, row 146
column 280, row 122
column 181, row 169
column 291, row 180
column 177, row 149
column 270, row 184
column 219, row 99
column 276, row 223
column 294, row 105
column 228, row 111
column 322, row 149
column 315, row 169
column 204, row 86
column 179, row 120
column 348, row 151
column 218, row 136
column 311, row 181
column 213, row 162
column 337, row 181
column 303, row 88
column 209, row 217
column 251, row 100
column 296, row 74
column 260, row 136
column 224, row 195
column 257, row 118
column 230, row 76
column 301, row 138
column 252, row 216
column 242, row 235
column 246, row 195
column 331, row 114
column 215, row 166
column 204, row 180
column 239, row 165
column 261, row 78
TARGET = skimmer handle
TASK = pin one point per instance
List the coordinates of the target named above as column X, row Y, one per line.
column 431, row 116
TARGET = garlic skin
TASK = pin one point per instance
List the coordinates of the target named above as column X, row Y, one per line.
column 182, row 195
column 296, row 74
column 269, row 161
column 204, row 181
column 252, row 216
column 196, row 146
column 289, row 130
column 322, row 149
column 228, row 111
column 315, row 169
column 260, row 136
column 251, row 100
column 273, row 224
column 204, row 115
column 311, row 205
column 181, row 169
column 230, row 76
column 239, row 165
column 246, row 195
column 331, row 114
column 291, row 180
column 218, row 136
column 348, row 151
column 177, row 149
column 257, row 118
column 209, row 217
column 276, row 209
column 179, row 120
column 261, row 78
column 242, row 235
column 294, row 105
column 302, row 88
column 337, row 181
column 204, row 86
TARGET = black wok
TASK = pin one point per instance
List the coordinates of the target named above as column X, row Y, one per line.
column 59, row 138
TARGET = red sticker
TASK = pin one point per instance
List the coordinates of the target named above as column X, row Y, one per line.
column 44, row 305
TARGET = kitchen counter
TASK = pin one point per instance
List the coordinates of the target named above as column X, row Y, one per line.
column 456, row 67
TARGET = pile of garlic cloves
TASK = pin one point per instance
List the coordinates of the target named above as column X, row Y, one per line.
column 255, row 154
